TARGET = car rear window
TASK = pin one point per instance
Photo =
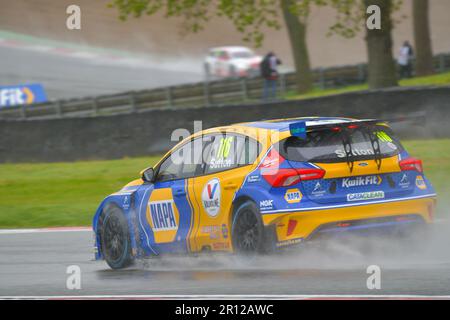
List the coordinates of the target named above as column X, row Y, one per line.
column 327, row 146
column 242, row 54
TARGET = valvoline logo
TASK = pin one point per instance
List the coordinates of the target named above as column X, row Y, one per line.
column 21, row 94
column 211, row 197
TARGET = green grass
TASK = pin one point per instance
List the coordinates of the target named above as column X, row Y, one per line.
column 438, row 80
column 61, row 194
column 67, row 194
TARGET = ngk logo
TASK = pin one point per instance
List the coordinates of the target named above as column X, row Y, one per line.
column 361, row 181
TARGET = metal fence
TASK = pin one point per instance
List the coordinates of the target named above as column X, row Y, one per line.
column 220, row 92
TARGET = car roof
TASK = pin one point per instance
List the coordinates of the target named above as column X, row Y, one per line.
column 231, row 48
column 283, row 124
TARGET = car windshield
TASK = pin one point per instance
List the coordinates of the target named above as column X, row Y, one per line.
column 327, row 146
column 242, row 54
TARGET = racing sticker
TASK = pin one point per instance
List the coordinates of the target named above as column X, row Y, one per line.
column 266, row 204
column 340, row 153
column 293, row 196
column 318, row 190
column 420, row 183
column 404, row 182
column 289, row 242
column 211, row 197
column 222, row 159
column 361, row 196
column 213, row 231
column 361, row 181
column 163, row 217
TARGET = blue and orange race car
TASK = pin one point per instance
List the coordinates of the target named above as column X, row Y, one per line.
column 260, row 186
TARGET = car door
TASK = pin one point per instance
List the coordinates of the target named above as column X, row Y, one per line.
column 166, row 220
column 226, row 161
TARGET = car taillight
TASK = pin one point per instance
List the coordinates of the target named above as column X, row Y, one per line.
column 411, row 164
column 289, row 177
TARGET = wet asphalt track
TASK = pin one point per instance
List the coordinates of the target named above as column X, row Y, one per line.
column 72, row 77
column 34, row 264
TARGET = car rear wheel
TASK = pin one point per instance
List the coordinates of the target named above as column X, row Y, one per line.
column 115, row 239
column 248, row 234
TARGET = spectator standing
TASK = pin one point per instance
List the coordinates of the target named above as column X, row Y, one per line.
column 405, row 57
column 269, row 71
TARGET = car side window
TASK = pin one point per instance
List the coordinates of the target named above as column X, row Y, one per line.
column 184, row 162
column 249, row 151
column 228, row 151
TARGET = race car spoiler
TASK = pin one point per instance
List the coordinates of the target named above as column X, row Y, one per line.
column 300, row 129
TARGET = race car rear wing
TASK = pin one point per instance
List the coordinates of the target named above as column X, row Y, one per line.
column 299, row 129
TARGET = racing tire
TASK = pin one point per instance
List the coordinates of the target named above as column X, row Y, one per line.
column 115, row 239
column 248, row 234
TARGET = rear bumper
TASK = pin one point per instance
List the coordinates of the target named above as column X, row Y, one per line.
column 294, row 227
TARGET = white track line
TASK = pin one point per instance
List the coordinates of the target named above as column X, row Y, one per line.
column 45, row 230
column 231, row 297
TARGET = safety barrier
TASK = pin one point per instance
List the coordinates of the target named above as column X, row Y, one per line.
column 202, row 94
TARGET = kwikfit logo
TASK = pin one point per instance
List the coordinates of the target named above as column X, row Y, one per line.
column 361, row 181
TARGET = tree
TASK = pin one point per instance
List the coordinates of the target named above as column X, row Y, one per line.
column 297, row 37
column 352, row 14
column 381, row 64
column 422, row 39
column 249, row 17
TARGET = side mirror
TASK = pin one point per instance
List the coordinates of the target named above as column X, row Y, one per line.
column 148, row 175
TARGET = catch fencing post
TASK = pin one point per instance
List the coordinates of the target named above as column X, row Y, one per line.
column 206, row 93
column 322, row 78
column 58, row 108
column 244, row 89
column 169, row 96
column 95, row 106
column 133, row 102
column 23, row 111
column 283, row 84
column 441, row 63
column 361, row 73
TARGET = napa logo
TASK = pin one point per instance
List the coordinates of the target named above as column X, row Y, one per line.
column 420, row 183
column 211, row 197
column 293, row 196
column 21, row 95
column 162, row 216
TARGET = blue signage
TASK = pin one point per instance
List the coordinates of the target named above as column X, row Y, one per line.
column 22, row 94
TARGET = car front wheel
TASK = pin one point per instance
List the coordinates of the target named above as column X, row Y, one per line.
column 115, row 239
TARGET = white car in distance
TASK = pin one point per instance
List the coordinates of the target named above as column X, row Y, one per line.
column 225, row 62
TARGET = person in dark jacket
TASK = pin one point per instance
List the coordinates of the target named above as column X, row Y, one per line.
column 404, row 60
column 269, row 71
